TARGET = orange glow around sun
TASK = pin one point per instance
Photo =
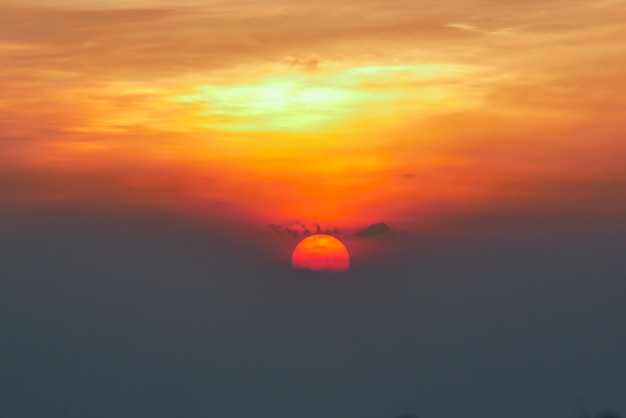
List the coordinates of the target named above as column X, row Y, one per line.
column 322, row 253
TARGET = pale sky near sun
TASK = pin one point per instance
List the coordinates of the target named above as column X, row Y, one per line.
column 344, row 113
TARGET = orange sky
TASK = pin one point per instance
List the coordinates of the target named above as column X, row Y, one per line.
column 341, row 113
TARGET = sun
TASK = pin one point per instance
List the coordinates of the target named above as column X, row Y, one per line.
column 322, row 253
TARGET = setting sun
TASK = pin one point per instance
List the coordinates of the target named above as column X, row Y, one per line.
column 322, row 253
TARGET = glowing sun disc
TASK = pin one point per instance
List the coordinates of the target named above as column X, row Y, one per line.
column 322, row 253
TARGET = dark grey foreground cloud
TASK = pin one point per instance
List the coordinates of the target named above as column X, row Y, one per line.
column 148, row 315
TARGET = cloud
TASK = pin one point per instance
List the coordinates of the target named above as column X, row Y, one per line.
column 374, row 231
column 66, row 26
column 305, row 64
column 201, row 36
column 285, row 230
column 300, row 229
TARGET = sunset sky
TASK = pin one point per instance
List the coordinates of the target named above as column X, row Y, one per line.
column 345, row 115
column 404, row 128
